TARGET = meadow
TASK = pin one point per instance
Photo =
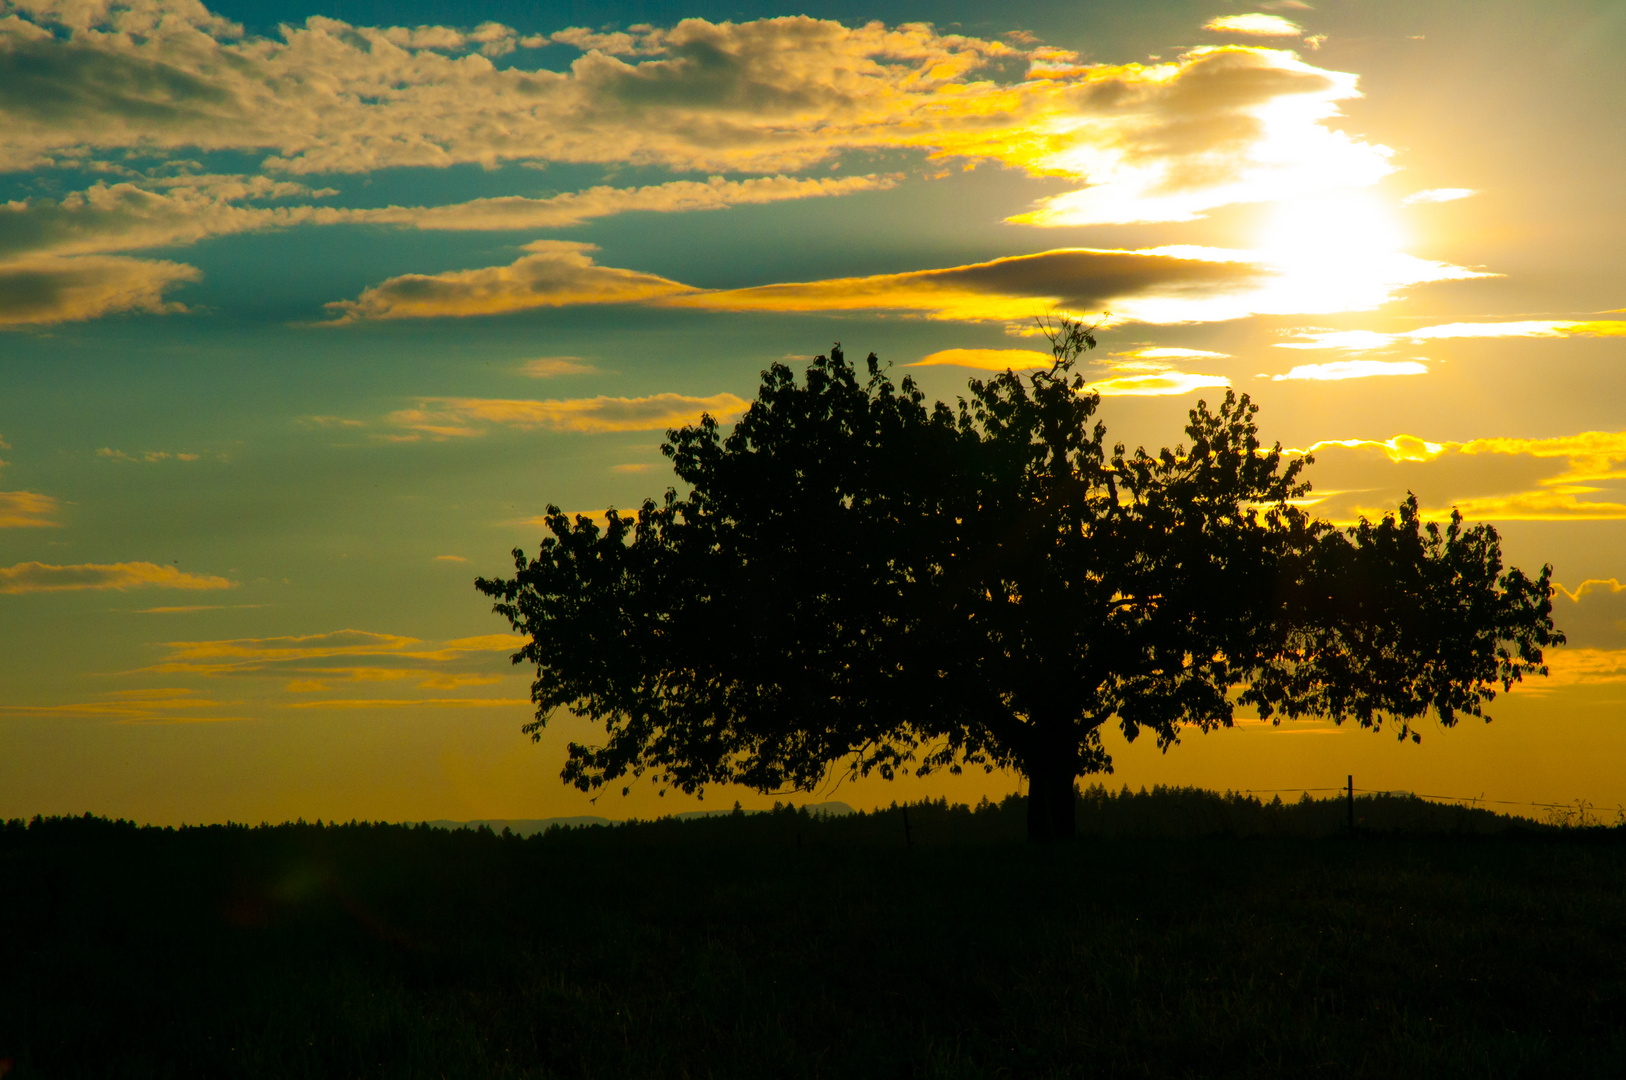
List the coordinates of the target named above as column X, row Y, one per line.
column 1183, row 933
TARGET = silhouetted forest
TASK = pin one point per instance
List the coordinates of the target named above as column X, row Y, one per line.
column 1185, row 933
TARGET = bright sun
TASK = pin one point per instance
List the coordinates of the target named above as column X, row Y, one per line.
column 1332, row 227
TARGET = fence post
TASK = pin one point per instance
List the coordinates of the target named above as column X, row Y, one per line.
column 1351, row 802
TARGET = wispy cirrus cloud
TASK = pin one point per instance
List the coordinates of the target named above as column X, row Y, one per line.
column 987, row 359
column 27, row 510
column 1124, row 378
column 148, row 456
column 175, row 211
column 32, row 577
column 450, row 418
column 311, row 663
column 573, row 208
column 158, row 705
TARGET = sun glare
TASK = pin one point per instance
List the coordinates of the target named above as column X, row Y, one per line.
column 1338, row 227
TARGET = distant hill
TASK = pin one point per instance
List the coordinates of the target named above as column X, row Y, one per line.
column 532, row 826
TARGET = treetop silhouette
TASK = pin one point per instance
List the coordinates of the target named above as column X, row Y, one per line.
column 854, row 579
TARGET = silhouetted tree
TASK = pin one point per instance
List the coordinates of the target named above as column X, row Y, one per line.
column 854, row 577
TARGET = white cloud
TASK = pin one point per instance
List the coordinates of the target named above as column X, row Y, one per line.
column 1438, row 195
column 1254, row 25
column 1354, row 369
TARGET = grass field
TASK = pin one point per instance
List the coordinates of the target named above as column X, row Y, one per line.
column 1253, row 941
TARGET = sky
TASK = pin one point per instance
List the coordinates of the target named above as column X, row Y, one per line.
column 308, row 310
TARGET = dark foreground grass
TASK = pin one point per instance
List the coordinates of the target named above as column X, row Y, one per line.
column 783, row 946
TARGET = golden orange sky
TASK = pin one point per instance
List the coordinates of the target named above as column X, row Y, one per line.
column 304, row 321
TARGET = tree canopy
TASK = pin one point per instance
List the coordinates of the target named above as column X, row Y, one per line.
column 854, row 579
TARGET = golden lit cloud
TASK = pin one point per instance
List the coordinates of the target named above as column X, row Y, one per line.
column 1165, row 141
column 1608, row 586
column 52, row 290
column 1571, row 667
column 467, row 417
column 1399, row 448
column 1354, row 369
column 27, row 510
column 1156, row 384
column 31, row 577
column 1490, row 479
column 988, row 359
column 1168, row 285
column 159, row 212
column 1254, row 24
column 1155, row 285
column 1164, row 352
column 176, row 211
column 558, row 273
column 312, row 661
column 573, row 208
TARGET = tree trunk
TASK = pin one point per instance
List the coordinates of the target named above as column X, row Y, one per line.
column 1050, row 798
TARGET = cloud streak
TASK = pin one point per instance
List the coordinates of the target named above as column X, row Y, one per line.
column 159, row 705
column 311, row 662
column 30, row 577
column 558, row 273
column 1372, row 340
column 1338, row 370
column 451, row 418
column 1136, row 284
column 1167, row 285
